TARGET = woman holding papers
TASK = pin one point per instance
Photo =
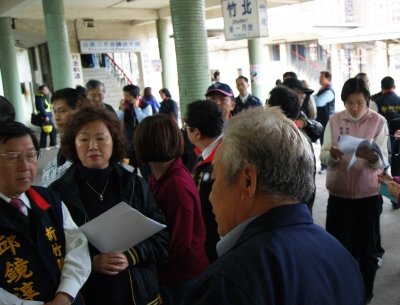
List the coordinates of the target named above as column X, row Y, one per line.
column 354, row 205
column 95, row 182
column 159, row 142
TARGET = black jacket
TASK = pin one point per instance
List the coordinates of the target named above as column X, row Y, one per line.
column 144, row 256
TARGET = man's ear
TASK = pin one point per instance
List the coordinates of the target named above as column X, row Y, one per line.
column 233, row 105
column 249, row 178
column 197, row 134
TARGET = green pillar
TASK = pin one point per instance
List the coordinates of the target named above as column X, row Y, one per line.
column 9, row 69
column 163, row 46
column 255, row 48
column 57, row 37
column 188, row 20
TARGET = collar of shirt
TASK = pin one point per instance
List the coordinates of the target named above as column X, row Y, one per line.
column 229, row 240
column 206, row 152
column 244, row 98
column 23, row 198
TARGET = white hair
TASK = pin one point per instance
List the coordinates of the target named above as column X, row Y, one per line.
column 281, row 154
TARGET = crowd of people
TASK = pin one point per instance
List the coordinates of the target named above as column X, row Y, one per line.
column 235, row 197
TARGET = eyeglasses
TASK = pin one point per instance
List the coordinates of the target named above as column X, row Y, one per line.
column 94, row 95
column 185, row 126
column 15, row 156
column 351, row 105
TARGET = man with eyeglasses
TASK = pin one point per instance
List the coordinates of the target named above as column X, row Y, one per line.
column 95, row 93
column 203, row 122
column 44, row 256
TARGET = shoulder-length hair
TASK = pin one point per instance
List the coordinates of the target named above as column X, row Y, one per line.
column 158, row 139
column 85, row 116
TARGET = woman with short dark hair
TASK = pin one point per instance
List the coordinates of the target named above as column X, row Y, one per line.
column 168, row 105
column 94, row 183
column 354, row 205
column 159, row 141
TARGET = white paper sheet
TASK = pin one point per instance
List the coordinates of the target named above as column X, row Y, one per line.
column 119, row 229
column 349, row 145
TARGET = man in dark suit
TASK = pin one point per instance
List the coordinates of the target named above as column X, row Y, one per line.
column 44, row 256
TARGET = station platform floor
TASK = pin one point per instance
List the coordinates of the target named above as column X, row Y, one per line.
column 387, row 281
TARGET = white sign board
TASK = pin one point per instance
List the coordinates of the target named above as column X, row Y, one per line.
column 157, row 65
column 146, row 69
column 77, row 67
column 245, row 19
column 109, row 46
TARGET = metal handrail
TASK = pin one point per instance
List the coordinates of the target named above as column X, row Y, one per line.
column 306, row 60
column 118, row 70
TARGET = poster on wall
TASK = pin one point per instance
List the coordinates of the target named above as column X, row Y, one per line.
column 157, row 67
column 146, row 69
column 245, row 19
column 77, row 69
column 109, row 46
column 256, row 74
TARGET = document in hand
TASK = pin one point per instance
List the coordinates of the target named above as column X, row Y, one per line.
column 119, row 229
column 349, row 145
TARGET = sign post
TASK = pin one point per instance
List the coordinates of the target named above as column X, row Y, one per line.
column 245, row 19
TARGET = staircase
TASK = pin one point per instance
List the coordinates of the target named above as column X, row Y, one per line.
column 113, row 93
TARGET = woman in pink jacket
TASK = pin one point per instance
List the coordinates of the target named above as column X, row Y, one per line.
column 354, row 206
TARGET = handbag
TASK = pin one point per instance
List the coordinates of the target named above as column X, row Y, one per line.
column 36, row 119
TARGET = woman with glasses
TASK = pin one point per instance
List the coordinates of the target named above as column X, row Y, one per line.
column 159, row 142
column 95, row 182
column 354, row 205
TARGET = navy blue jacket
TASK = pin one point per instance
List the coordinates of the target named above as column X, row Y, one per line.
column 252, row 101
column 282, row 258
column 324, row 112
column 389, row 106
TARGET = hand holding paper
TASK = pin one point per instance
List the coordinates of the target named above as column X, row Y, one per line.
column 350, row 146
column 119, row 229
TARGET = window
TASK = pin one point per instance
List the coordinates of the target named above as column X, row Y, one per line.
column 275, row 52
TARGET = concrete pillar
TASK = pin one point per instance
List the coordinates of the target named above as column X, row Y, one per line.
column 9, row 69
column 57, row 37
column 163, row 46
column 141, row 82
column 255, row 48
column 188, row 20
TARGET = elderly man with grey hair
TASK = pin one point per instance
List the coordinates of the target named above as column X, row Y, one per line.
column 95, row 93
column 270, row 251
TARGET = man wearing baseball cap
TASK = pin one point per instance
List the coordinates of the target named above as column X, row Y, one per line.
column 222, row 95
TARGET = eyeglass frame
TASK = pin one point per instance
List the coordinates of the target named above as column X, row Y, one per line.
column 94, row 95
column 185, row 126
column 38, row 154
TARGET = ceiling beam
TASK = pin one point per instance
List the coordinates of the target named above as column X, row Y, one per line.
column 36, row 12
column 10, row 7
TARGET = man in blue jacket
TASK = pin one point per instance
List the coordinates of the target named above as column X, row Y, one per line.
column 271, row 252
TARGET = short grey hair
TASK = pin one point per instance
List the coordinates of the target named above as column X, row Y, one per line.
column 94, row 84
column 280, row 153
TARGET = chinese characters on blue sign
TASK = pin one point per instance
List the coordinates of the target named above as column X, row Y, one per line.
column 109, row 46
column 245, row 19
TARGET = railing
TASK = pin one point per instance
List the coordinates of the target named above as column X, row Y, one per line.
column 306, row 60
column 118, row 72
